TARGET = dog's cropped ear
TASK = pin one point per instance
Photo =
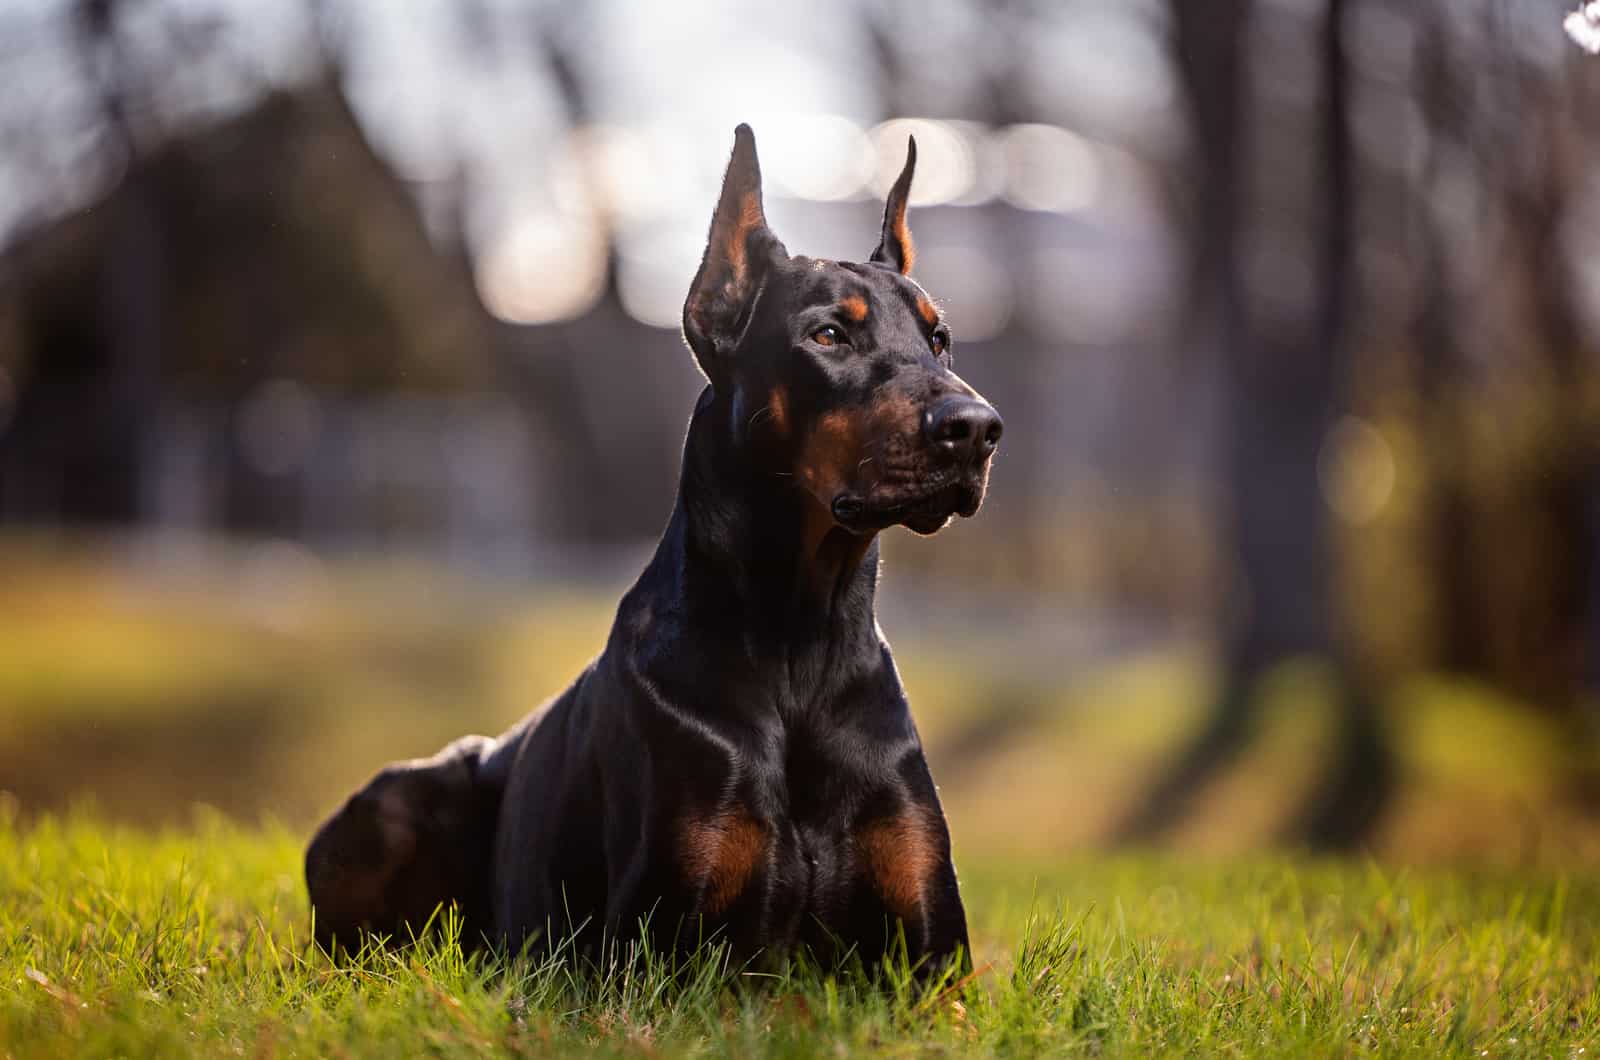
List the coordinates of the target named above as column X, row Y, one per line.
column 738, row 254
column 894, row 247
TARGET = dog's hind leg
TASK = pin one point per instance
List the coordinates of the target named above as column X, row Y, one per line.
column 418, row 836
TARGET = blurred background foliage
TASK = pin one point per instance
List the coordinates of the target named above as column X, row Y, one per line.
column 341, row 392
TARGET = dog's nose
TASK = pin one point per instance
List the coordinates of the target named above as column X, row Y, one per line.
column 963, row 428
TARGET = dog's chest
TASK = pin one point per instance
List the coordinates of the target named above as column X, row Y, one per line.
column 808, row 840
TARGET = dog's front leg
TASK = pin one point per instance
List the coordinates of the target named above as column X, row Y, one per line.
column 647, row 899
column 689, row 878
column 906, row 860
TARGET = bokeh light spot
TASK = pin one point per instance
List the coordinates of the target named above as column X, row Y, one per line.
column 1049, row 168
column 543, row 267
column 1356, row 470
column 822, row 157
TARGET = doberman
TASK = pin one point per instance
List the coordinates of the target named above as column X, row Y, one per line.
column 740, row 762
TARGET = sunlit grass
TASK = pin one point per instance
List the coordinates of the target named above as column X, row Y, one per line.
column 191, row 940
column 269, row 688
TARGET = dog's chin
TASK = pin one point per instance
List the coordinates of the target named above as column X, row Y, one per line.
column 927, row 525
column 923, row 512
column 933, row 513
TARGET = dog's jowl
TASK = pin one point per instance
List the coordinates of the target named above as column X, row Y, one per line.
column 740, row 761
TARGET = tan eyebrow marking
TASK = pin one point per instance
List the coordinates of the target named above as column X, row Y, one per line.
column 854, row 308
column 927, row 310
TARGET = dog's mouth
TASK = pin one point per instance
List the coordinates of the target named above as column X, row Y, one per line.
column 925, row 507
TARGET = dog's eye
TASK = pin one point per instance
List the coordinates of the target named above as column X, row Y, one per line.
column 941, row 343
column 827, row 335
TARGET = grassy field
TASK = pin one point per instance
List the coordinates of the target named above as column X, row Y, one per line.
column 192, row 940
column 171, row 729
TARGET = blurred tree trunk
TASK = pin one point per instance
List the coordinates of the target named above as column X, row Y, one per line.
column 132, row 293
column 1360, row 777
column 1510, row 553
column 1564, row 499
column 1446, row 547
column 1208, row 43
column 1282, row 378
column 1551, row 645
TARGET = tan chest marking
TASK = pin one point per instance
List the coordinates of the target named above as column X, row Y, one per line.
column 719, row 853
column 901, row 855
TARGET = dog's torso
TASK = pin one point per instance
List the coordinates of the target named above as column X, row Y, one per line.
column 765, row 787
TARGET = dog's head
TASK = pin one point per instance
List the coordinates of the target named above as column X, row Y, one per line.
column 837, row 373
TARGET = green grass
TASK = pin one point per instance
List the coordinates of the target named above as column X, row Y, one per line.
column 271, row 685
column 191, row 940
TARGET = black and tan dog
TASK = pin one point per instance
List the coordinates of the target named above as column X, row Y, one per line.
column 740, row 761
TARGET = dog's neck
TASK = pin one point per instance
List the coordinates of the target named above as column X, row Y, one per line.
column 764, row 550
